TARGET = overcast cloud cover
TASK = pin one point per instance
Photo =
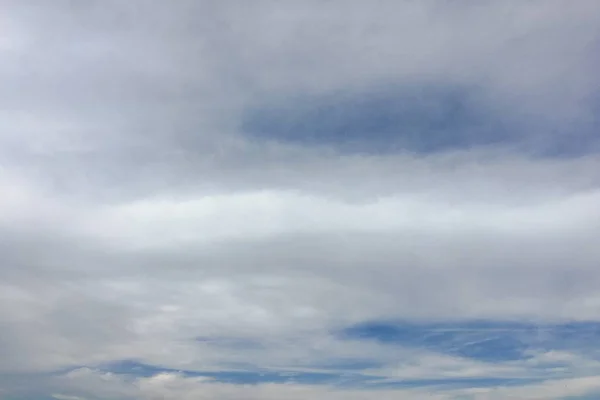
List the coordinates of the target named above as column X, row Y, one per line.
column 312, row 199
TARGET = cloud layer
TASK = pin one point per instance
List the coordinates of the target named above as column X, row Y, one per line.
column 316, row 199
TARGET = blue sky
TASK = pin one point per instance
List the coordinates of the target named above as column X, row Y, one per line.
column 299, row 200
column 435, row 117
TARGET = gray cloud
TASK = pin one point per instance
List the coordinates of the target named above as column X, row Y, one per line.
column 137, row 212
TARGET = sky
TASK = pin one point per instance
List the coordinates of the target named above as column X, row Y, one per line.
column 289, row 200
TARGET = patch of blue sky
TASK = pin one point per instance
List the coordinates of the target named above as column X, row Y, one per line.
column 419, row 119
column 488, row 341
column 422, row 119
column 484, row 341
column 255, row 376
column 347, row 380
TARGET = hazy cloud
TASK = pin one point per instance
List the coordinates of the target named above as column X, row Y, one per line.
column 203, row 188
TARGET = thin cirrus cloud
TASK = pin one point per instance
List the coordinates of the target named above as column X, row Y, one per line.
column 317, row 199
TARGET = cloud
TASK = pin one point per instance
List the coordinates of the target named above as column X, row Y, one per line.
column 204, row 189
column 171, row 385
